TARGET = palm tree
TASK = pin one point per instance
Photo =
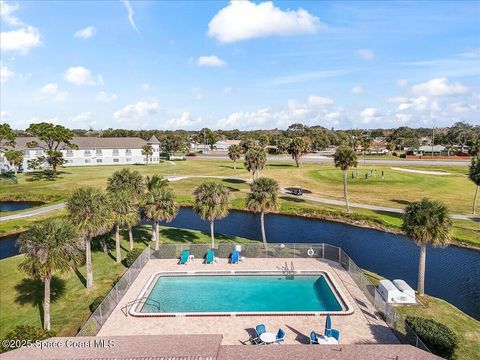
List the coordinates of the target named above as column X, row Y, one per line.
column 263, row 197
column 89, row 210
column 426, row 222
column 474, row 176
column 124, row 212
column 255, row 160
column 147, row 150
column 234, row 153
column 50, row 247
column 155, row 182
column 344, row 158
column 211, row 203
column 366, row 143
column 297, row 148
column 160, row 205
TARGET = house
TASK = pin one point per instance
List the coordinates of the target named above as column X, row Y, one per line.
column 428, row 149
column 91, row 151
column 221, row 145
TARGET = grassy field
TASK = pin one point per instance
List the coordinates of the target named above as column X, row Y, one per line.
column 465, row 327
column 396, row 189
column 21, row 297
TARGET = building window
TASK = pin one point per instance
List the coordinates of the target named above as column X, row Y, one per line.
column 128, row 152
column 69, row 153
column 39, row 152
column 98, row 152
column 87, row 161
column 99, row 161
column 115, row 152
column 26, row 153
column 116, row 160
column 87, row 153
column 129, row 159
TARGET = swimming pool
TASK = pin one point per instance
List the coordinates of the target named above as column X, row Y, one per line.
column 238, row 294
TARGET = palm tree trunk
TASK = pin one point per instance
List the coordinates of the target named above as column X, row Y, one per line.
column 212, row 232
column 475, row 200
column 118, row 254
column 262, row 223
column 421, row 270
column 88, row 260
column 234, row 164
column 345, row 194
column 15, row 170
column 153, row 229
column 157, row 235
column 46, row 302
column 130, row 237
column 364, row 158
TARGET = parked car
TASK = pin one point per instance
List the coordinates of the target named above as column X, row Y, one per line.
column 297, row 191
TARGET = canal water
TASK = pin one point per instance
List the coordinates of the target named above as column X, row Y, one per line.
column 17, row 205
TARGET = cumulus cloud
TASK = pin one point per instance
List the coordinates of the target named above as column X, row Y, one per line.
column 439, row 87
column 319, row 101
column 136, row 111
column 366, row 54
column 52, row 89
column 357, row 90
column 184, row 121
column 20, row 40
column 5, row 73
column 369, row 115
column 86, row 33
column 397, row 100
column 241, row 20
column 82, row 120
column 78, row 75
column 210, row 61
column 105, row 97
column 6, row 13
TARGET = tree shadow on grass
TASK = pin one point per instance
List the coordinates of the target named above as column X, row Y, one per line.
column 282, row 165
column 81, row 277
column 178, row 235
column 402, row 202
column 234, row 181
column 44, row 175
column 30, row 292
column 141, row 234
column 292, row 199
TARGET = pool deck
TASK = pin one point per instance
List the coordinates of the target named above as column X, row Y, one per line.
column 362, row 326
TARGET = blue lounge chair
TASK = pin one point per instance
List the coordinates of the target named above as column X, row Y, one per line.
column 185, row 258
column 210, row 258
column 235, row 257
column 313, row 338
column 335, row 333
column 280, row 336
column 328, row 325
column 259, row 330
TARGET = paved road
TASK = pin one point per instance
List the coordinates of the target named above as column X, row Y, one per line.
column 282, row 190
column 328, row 160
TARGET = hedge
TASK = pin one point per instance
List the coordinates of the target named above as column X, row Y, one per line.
column 132, row 255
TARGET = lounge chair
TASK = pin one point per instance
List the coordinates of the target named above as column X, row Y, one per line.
column 235, row 257
column 328, row 325
column 259, row 330
column 210, row 258
column 185, row 258
column 280, row 336
column 313, row 338
column 335, row 333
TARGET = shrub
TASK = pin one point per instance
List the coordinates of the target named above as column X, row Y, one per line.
column 439, row 338
column 96, row 303
column 132, row 256
column 192, row 154
column 26, row 333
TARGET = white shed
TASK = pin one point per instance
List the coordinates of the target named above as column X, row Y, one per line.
column 389, row 292
column 407, row 291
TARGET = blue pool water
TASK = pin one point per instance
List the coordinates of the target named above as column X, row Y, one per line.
column 241, row 294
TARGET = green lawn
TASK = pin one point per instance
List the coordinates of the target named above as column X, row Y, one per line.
column 21, row 297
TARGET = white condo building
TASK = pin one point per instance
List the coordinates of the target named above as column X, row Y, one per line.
column 92, row 151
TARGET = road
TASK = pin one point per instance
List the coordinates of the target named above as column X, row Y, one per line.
column 284, row 191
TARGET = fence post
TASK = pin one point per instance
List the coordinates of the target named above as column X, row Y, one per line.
column 100, row 311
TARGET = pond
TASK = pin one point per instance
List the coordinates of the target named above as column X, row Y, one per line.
column 17, row 205
column 452, row 273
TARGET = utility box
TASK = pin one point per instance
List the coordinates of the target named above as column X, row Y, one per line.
column 407, row 291
column 389, row 292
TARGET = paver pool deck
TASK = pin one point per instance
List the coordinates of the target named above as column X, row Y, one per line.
column 363, row 326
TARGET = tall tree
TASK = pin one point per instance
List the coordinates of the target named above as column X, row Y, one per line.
column 427, row 223
column 263, row 198
column 297, row 148
column 474, row 176
column 255, row 160
column 211, row 203
column 155, row 182
column 7, row 137
column 366, row 143
column 147, row 151
column 15, row 158
column 53, row 139
column 89, row 210
column 160, row 205
column 50, row 247
column 234, row 153
column 345, row 158
column 124, row 213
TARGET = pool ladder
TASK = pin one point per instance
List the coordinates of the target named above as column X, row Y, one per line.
column 289, row 272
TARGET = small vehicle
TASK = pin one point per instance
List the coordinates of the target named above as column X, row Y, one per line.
column 297, row 191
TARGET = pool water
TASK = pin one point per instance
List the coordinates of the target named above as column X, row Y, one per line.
column 241, row 293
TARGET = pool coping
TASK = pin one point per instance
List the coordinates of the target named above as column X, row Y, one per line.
column 347, row 309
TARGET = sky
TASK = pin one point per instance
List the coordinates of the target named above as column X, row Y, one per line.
column 240, row 65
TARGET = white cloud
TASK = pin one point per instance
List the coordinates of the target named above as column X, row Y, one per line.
column 211, row 61
column 78, row 75
column 241, row 20
column 4, row 115
column 439, row 87
column 20, row 40
column 49, row 89
column 5, row 73
column 82, row 120
column 357, row 90
column 402, row 82
column 86, row 33
column 397, row 100
column 6, row 13
column 370, row 114
column 136, row 111
column 366, row 54
column 319, row 101
column 130, row 12
column 105, row 97
column 184, row 121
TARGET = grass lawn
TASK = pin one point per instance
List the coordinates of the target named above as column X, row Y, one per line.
column 21, row 297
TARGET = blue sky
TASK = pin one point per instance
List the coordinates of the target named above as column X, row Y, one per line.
column 245, row 65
